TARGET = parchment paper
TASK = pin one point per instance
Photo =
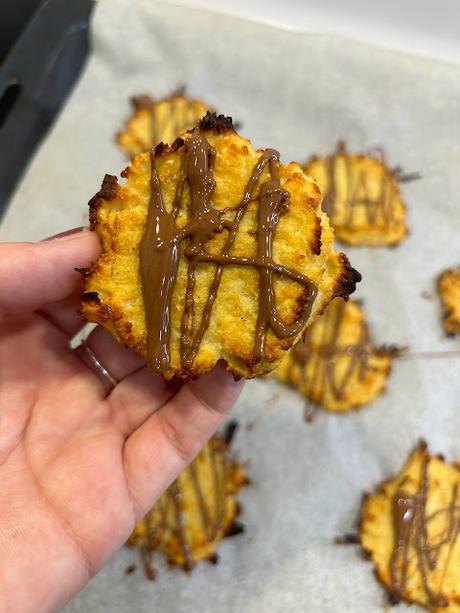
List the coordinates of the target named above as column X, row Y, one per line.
column 299, row 93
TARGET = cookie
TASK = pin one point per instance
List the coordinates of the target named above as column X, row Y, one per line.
column 196, row 512
column 336, row 364
column 155, row 121
column 361, row 196
column 449, row 292
column 212, row 252
column 410, row 529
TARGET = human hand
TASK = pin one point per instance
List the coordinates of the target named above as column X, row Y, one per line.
column 79, row 467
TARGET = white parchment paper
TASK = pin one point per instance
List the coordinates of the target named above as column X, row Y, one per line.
column 299, row 93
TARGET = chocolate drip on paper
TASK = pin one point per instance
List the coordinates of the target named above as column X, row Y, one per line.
column 405, row 354
column 161, row 247
column 412, row 541
column 349, row 538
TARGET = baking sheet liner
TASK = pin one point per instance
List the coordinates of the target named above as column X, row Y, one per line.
column 299, row 93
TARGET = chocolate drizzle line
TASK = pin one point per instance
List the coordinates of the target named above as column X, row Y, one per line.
column 411, row 524
column 161, row 247
column 376, row 208
column 169, row 516
column 323, row 375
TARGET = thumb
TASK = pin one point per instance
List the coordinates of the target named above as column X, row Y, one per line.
column 161, row 448
column 35, row 274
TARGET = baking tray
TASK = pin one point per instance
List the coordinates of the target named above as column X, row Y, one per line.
column 35, row 80
column 298, row 93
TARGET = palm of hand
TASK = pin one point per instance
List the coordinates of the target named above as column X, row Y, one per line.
column 62, row 445
column 77, row 467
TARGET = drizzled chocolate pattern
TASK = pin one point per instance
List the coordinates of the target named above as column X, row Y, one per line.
column 169, row 518
column 181, row 114
column 161, row 247
column 378, row 208
column 412, row 541
column 323, row 375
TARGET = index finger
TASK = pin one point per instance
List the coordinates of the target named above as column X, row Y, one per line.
column 35, row 274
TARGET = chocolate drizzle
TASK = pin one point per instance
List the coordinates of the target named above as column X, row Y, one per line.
column 412, row 540
column 169, row 517
column 161, row 248
column 378, row 208
column 318, row 362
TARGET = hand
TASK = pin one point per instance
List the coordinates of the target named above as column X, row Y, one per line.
column 79, row 467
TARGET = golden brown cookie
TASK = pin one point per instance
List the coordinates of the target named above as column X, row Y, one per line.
column 212, row 251
column 336, row 365
column 361, row 196
column 155, row 121
column 196, row 512
column 410, row 529
column 449, row 292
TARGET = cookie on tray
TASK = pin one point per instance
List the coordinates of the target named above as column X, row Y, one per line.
column 156, row 121
column 336, row 364
column 449, row 292
column 196, row 512
column 361, row 196
column 212, row 252
column 410, row 529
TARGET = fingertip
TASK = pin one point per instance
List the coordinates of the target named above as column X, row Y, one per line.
column 77, row 248
column 35, row 274
column 76, row 238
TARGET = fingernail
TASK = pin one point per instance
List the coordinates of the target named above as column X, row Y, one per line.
column 67, row 235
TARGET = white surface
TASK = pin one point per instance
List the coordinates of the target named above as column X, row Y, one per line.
column 428, row 27
column 299, row 93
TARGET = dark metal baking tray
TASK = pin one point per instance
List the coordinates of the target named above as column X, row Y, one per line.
column 35, row 80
